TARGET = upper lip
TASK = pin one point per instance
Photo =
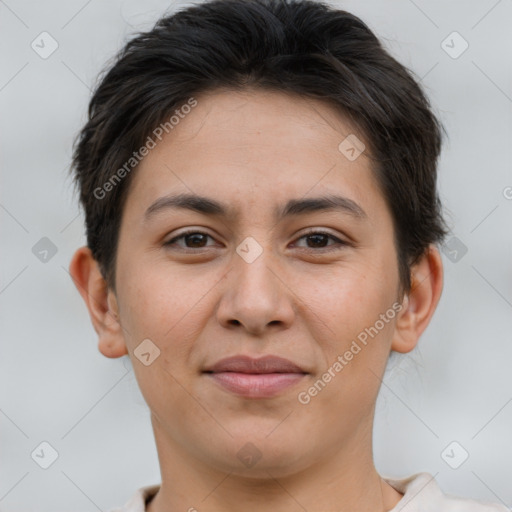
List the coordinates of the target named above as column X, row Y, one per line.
column 246, row 364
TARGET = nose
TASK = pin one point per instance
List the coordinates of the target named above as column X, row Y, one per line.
column 256, row 295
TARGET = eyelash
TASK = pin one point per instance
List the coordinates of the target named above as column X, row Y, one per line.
column 340, row 243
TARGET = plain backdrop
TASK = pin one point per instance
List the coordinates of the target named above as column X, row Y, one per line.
column 450, row 398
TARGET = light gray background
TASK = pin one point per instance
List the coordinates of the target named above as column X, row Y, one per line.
column 56, row 387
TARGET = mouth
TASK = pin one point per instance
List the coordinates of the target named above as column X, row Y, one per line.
column 255, row 378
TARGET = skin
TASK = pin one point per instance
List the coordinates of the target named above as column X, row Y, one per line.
column 255, row 150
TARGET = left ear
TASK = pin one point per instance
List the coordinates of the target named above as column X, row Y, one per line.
column 421, row 301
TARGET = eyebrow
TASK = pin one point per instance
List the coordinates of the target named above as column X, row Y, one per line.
column 208, row 206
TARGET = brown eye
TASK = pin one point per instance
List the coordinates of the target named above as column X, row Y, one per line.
column 193, row 240
column 320, row 239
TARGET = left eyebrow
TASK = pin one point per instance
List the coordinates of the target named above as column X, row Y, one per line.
column 293, row 207
column 324, row 203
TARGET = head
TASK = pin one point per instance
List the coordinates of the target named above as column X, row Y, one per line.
column 314, row 154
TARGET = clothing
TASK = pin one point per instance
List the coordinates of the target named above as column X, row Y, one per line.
column 421, row 494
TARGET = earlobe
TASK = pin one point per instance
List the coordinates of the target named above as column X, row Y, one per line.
column 100, row 301
column 421, row 301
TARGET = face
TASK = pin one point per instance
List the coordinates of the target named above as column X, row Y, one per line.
column 315, row 286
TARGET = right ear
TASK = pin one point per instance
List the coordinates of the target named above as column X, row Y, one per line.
column 100, row 301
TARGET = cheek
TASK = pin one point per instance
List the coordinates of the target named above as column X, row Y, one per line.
column 347, row 307
column 353, row 295
column 354, row 346
column 167, row 306
column 152, row 303
column 157, row 306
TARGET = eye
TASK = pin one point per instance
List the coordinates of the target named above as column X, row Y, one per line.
column 196, row 238
column 318, row 239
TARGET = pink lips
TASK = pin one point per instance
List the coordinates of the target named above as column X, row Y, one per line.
column 255, row 378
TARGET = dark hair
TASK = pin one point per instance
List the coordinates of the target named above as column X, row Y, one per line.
column 298, row 47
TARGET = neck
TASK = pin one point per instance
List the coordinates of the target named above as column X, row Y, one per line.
column 346, row 477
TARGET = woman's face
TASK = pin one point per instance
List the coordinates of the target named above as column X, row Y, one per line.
column 251, row 282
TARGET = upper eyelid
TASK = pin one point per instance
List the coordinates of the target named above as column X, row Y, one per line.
column 189, row 232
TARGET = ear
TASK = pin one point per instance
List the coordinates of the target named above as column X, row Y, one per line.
column 421, row 301
column 100, row 301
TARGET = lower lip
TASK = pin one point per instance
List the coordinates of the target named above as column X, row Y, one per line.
column 261, row 385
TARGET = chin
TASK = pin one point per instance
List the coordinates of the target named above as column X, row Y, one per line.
column 261, row 456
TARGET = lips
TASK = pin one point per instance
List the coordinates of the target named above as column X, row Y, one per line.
column 265, row 377
column 246, row 364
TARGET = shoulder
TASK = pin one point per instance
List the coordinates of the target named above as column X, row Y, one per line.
column 137, row 503
column 423, row 494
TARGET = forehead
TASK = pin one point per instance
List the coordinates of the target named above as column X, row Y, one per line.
column 254, row 147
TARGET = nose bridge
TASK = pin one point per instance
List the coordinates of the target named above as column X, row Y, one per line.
column 254, row 268
column 254, row 294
